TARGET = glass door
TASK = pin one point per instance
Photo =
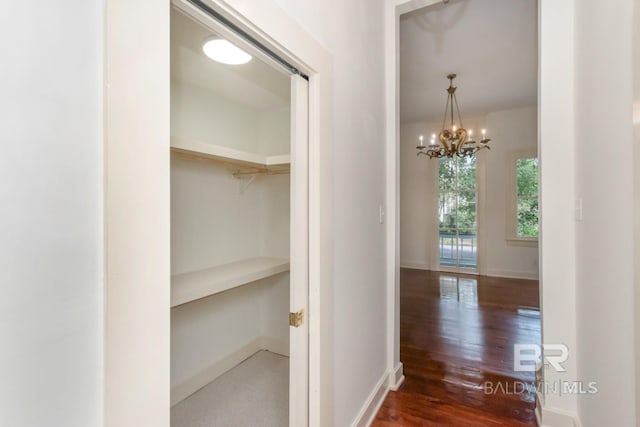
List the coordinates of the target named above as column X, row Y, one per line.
column 457, row 214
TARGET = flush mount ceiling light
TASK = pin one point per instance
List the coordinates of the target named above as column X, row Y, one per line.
column 455, row 139
column 220, row 50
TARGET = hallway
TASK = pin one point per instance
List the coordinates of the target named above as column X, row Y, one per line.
column 457, row 335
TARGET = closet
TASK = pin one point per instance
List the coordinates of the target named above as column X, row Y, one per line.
column 238, row 207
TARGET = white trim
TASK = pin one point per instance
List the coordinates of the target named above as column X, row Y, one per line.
column 372, row 405
column 137, row 205
column 274, row 345
column 509, row 274
column 392, row 11
column 511, row 223
column 555, row 135
column 136, row 217
column 552, row 417
column 481, row 212
column 457, row 270
column 185, row 388
column 415, row 265
column 548, row 417
column 576, row 421
column 396, row 378
column 531, row 242
column 299, row 252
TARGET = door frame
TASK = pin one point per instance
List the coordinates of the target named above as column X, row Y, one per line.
column 435, row 237
column 556, row 144
column 137, row 135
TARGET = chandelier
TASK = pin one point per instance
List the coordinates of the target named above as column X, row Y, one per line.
column 453, row 140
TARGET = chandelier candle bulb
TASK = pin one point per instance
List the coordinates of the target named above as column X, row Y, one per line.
column 421, row 141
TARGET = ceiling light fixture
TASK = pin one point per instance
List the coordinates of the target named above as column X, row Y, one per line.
column 221, row 50
column 454, row 140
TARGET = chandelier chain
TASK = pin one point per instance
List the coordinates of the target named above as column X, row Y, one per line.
column 455, row 99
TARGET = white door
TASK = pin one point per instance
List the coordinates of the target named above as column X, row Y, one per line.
column 299, row 293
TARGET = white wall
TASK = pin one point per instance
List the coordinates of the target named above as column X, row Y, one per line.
column 636, row 179
column 213, row 223
column 136, row 159
column 199, row 114
column 216, row 220
column 51, row 190
column 273, row 131
column 604, row 244
column 351, row 31
column 557, row 191
column 418, row 198
column 511, row 131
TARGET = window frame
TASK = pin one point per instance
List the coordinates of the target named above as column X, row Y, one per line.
column 457, row 191
column 512, row 236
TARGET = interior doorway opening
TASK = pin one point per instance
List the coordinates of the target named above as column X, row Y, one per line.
column 239, row 230
column 449, row 226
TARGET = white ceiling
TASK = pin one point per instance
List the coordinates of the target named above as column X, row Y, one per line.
column 490, row 44
column 255, row 84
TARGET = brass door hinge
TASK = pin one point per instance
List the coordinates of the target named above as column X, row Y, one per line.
column 296, row 319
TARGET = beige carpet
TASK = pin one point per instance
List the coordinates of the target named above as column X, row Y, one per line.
column 253, row 394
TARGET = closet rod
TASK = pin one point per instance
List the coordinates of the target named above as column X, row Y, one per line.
column 247, row 37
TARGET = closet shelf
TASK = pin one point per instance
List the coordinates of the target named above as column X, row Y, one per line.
column 194, row 285
column 229, row 155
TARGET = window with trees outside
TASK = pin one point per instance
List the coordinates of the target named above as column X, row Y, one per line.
column 457, row 217
column 523, row 215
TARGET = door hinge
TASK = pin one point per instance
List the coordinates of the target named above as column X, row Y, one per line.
column 296, row 319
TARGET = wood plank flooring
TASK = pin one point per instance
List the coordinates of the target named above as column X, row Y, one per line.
column 456, row 343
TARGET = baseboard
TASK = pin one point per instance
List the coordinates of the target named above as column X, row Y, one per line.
column 577, row 422
column 274, row 345
column 415, row 265
column 538, row 410
column 512, row 274
column 187, row 387
column 508, row 274
column 552, row 417
column 373, row 403
column 396, row 378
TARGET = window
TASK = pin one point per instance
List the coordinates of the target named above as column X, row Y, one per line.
column 522, row 215
column 458, row 241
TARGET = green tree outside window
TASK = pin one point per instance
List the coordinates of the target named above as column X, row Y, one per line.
column 527, row 197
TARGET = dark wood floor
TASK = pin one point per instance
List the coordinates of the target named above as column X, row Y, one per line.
column 456, row 343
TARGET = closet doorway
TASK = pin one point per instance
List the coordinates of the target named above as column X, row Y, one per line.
column 239, row 228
